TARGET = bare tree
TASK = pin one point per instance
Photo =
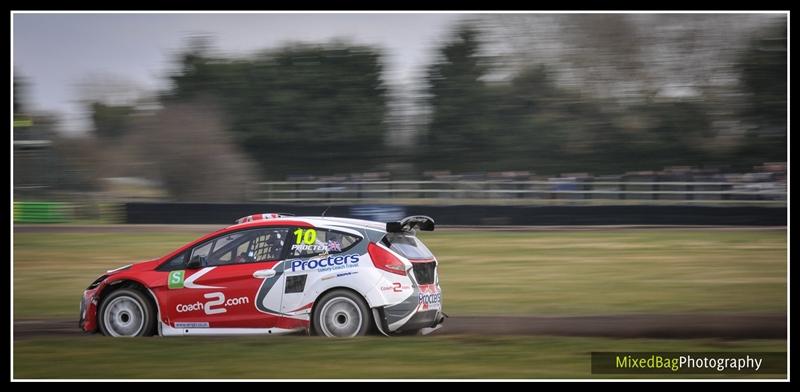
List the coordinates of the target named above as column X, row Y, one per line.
column 184, row 145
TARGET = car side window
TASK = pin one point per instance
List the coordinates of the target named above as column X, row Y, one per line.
column 202, row 249
column 176, row 263
column 223, row 248
column 265, row 245
column 234, row 248
column 313, row 242
column 244, row 247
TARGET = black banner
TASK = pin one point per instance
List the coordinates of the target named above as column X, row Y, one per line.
column 470, row 215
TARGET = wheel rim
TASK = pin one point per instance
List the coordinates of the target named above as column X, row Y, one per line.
column 341, row 317
column 124, row 316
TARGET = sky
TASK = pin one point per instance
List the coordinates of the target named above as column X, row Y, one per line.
column 57, row 53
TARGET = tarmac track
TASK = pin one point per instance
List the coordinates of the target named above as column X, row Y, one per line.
column 659, row 326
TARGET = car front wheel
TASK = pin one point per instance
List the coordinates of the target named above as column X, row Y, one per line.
column 342, row 313
column 126, row 313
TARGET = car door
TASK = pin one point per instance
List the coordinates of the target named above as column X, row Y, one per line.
column 223, row 292
column 314, row 254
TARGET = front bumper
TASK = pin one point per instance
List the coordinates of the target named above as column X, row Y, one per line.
column 88, row 311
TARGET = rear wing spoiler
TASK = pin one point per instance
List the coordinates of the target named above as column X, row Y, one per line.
column 424, row 223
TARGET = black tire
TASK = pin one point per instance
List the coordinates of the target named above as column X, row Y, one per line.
column 126, row 313
column 346, row 312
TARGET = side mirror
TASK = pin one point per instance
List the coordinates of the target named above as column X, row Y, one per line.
column 198, row 261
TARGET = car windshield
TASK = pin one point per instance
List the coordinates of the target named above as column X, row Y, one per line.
column 407, row 245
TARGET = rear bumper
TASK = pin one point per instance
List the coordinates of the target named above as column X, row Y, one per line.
column 420, row 310
column 427, row 319
column 419, row 320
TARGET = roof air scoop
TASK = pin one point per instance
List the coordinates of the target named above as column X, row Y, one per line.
column 256, row 217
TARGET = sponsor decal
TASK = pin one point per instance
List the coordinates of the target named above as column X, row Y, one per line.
column 430, row 298
column 330, row 246
column 339, row 275
column 193, row 324
column 309, row 248
column 396, row 287
column 329, row 263
column 175, row 279
column 217, row 304
column 183, row 308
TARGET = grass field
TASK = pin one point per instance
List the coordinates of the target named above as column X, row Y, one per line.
column 304, row 357
column 540, row 273
column 537, row 273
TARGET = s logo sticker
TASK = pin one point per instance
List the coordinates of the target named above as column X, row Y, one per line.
column 175, row 279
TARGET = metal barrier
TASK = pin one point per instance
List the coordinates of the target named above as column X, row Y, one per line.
column 522, row 192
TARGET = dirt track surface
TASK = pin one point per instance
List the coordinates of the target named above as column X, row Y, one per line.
column 661, row 326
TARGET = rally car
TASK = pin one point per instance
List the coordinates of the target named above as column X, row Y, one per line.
column 277, row 274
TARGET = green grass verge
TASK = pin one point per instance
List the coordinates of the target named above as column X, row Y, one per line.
column 563, row 272
column 615, row 271
column 293, row 357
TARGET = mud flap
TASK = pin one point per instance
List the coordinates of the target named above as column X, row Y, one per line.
column 380, row 321
column 439, row 322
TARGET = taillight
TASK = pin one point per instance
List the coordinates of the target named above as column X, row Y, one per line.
column 384, row 260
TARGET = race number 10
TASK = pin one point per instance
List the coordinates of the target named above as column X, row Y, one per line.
column 305, row 236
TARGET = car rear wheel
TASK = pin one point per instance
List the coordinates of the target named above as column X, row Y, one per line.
column 342, row 313
column 126, row 313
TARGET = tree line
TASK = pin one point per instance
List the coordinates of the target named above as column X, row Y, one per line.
column 322, row 109
column 316, row 109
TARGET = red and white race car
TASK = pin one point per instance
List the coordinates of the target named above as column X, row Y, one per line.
column 277, row 274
